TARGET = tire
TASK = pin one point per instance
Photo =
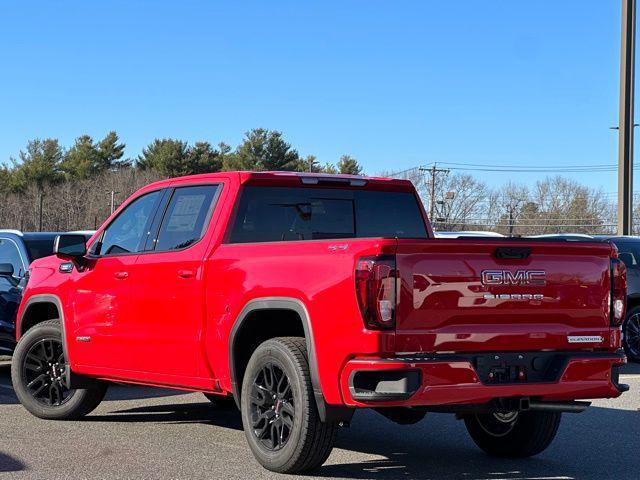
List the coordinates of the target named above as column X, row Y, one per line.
column 221, row 401
column 525, row 435
column 631, row 334
column 40, row 345
column 285, row 434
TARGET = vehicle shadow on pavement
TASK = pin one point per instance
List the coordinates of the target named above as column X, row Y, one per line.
column 118, row 392
column 630, row 368
column 179, row 413
column 115, row 392
column 601, row 443
column 10, row 464
column 7, row 397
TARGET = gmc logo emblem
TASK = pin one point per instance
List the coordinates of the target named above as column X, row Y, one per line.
column 519, row 277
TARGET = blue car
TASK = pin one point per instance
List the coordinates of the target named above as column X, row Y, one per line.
column 17, row 251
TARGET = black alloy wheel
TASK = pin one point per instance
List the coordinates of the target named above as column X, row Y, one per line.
column 38, row 374
column 44, row 373
column 497, row 424
column 513, row 434
column 631, row 336
column 279, row 413
column 272, row 407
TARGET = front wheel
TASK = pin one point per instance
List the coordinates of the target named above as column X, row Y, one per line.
column 38, row 376
column 279, row 413
column 513, row 434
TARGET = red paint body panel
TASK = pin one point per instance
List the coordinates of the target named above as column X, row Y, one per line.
column 442, row 305
column 168, row 321
column 456, row 383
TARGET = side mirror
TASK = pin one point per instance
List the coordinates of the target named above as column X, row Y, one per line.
column 6, row 270
column 70, row 245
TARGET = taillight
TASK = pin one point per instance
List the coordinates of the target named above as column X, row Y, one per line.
column 376, row 291
column 618, row 291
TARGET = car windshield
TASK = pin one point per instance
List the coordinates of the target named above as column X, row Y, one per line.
column 629, row 253
column 38, row 248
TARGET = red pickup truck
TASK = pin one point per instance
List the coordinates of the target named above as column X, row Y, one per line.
column 301, row 297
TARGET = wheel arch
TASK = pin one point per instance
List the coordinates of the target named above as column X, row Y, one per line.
column 633, row 301
column 38, row 309
column 247, row 316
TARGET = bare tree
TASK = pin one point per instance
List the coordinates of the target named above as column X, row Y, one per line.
column 79, row 205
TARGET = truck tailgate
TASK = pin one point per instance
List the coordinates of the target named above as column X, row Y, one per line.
column 477, row 295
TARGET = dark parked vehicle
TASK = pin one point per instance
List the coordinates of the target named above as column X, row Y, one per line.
column 629, row 253
column 17, row 251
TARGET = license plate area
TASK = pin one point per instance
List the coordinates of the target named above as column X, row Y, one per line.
column 514, row 368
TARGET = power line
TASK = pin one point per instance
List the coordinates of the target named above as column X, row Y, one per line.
column 467, row 164
column 495, row 168
column 535, row 169
column 499, row 224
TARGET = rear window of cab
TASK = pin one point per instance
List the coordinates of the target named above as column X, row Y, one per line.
column 275, row 214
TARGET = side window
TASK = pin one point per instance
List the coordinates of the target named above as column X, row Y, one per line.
column 126, row 234
column 186, row 217
column 9, row 254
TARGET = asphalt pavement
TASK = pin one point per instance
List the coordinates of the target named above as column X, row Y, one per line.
column 165, row 434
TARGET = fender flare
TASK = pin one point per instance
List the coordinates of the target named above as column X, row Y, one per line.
column 279, row 303
column 44, row 298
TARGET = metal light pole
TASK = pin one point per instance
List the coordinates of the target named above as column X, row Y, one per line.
column 625, row 132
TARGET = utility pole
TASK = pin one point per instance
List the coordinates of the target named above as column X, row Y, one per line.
column 625, row 131
column 511, row 222
column 512, row 206
column 41, row 201
column 113, row 200
column 433, row 171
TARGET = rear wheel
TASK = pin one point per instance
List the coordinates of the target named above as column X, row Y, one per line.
column 513, row 434
column 38, row 376
column 279, row 413
column 631, row 334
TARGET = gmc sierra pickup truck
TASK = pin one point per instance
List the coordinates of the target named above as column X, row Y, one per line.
column 301, row 298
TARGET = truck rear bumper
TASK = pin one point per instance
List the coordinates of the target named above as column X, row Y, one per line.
column 479, row 378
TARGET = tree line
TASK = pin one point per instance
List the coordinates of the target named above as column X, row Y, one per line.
column 554, row 205
column 50, row 187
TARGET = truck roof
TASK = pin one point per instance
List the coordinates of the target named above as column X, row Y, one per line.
column 286, row 178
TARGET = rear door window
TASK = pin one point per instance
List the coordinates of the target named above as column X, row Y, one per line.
column 185, row 220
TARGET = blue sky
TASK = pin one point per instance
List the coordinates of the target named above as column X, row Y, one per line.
column 393, row 83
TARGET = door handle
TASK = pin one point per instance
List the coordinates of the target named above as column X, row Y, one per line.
column 121, row 275
column 185, row 273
